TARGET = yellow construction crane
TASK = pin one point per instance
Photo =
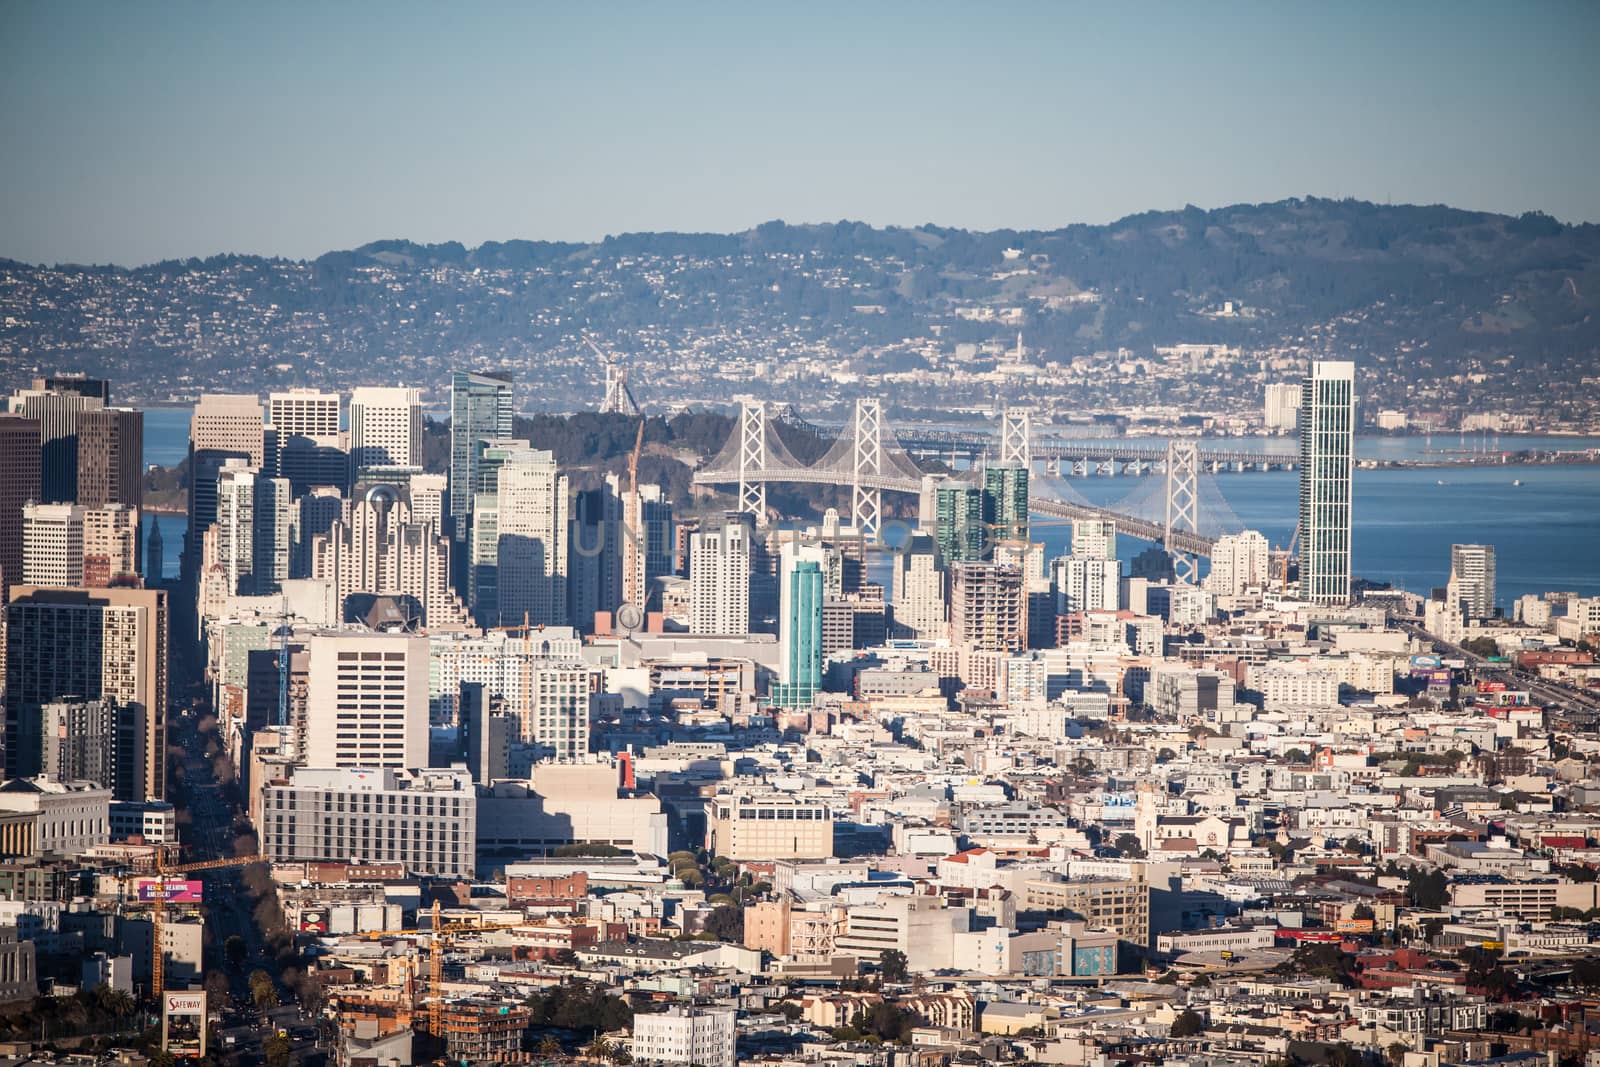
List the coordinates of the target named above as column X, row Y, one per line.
column 1283, row 573
column 438, row 934
column 158, row 904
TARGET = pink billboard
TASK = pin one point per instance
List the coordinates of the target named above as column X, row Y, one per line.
column 174, row 890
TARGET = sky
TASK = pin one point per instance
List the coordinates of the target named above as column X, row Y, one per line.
column 131, row 133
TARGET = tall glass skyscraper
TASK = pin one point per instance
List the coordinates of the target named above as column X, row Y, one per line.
column 799, row 628
column 1327, row 428
column 480, row 408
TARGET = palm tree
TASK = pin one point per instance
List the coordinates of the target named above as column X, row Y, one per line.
column 599, row 1049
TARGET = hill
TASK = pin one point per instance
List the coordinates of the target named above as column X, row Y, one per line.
column 1415, row 294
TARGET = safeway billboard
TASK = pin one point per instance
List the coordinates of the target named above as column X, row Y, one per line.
column 172, row 890
column 183, row 1024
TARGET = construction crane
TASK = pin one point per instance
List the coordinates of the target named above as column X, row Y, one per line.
column 619, row 398
column 438, row 933
column 1283, row 572
column 158, row 904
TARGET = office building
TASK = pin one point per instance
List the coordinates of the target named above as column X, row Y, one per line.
column 1327, row 434
column 988, row 607
column 1005, row 500
column 548, row 708
column 800, row 611
column 19, row 459
column 55, row 818
column 111, row 458
column 598, row 536
column 485, row 734
column 224, row 426
column 769, row 826
column 58, row 405
column 1094, row 538
column 959, row 525
column 1472, row 580
column 1239, row 564
column 310, row 449
column 481, row 408
column 87, row 645
column 919, row 608
column 688, row 1035
column 52, row 544
column 1085, row 583
column 530, row 525
column 385, row 428
column 1281, row 410
column 367, row 701
column 423, row 820
column 720, row 574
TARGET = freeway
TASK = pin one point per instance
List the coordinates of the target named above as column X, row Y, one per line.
column 1541, row 689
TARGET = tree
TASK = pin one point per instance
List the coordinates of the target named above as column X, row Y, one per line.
column 1427, row 889
column 892, row 964
column 1363, row 912
column 1188, row 1024
column 726, row 923
column 277, row 1049
column 262, row 991
column 236, row 950
column 1128, row 845
column 549, row 1046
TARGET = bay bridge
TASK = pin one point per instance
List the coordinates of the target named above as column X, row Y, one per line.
column 1181, row 510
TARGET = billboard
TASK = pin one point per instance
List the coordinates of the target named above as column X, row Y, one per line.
column 172, row 890
column 313, row 922
column 183, row 1024
column 1118, row 805
column 1427, row 662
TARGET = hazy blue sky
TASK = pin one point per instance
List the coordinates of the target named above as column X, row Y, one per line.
column 132, row 132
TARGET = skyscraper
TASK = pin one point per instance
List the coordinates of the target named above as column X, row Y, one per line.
column 19, row 461
column 52, row 545
column 310, row 450
column 367, row 701
column 111, row 457
column 385, row 428
column 919, row 609
column 1327, row 429
column 379, row 548
column 58, row 412
column 1085, row 583
column 110, row 546
column 224, row 426
column 799, row 625
column 1472, row 580
column 255, row 518
column 89, row 644
column 531, row 539
column 988, row 607
column 959, row 527
column 1005, row 492
column 719, row 570
column 480, row 409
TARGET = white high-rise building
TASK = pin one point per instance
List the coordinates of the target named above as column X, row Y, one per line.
column 1094, row 538
column 255, row 529
column 385, row 427
column 377, row 546
column 1086, row 583
column 367, row 701
column 1472, row 580
column 1327, row 461
column 919, row 608
column 705, row 1036
column 1281, row 412
column 52, row 545
column 531, row 539
column 719, row 570
column 1239, row 563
